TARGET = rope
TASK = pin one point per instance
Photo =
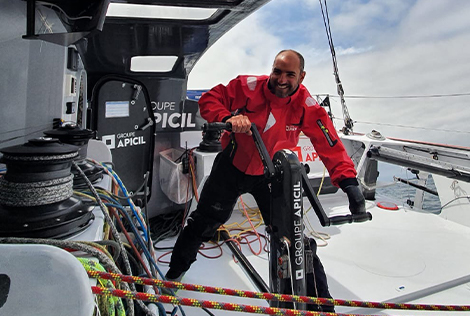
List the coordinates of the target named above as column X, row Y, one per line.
column 75, row 245
column 44, row 158
column 35, row 130
column 114, row 230
column 208, row 304
column 250, row 230
column 404, row 96
column 348, row 122
column 35, row 193
column 41, row 191
column 111, row 304
column 115, row 177
column 414, row 127
column 274, row 296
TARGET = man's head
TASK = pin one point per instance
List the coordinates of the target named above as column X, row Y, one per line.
column 287, row 73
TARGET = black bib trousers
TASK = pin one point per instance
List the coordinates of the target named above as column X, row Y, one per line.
column 218, row 198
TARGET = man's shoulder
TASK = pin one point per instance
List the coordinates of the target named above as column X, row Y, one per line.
column 252, row 77
column 249, row 83
column 303, row 90
column 305, row 98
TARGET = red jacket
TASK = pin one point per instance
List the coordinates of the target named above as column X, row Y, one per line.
column 279, row 121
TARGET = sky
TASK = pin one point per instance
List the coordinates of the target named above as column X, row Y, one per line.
column 386, row 50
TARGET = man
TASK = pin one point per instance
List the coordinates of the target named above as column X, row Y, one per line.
column 281, row 107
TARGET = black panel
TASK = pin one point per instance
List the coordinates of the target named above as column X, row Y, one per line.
column 80, row 18
column 125, row 124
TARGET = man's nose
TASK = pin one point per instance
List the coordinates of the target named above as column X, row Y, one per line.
column 282, row 79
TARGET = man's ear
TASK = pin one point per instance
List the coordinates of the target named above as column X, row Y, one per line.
column 302, row 76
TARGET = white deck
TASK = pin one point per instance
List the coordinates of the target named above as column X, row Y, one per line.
column 399, row 256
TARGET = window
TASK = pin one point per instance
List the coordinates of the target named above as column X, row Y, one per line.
column 158, row 12
column 153, row 63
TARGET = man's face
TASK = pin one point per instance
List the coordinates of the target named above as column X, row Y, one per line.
column 285, row 76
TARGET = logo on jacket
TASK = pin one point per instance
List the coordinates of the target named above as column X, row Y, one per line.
column 251, row 83
column 270, row 123
column 291, row 128
column 310, row 101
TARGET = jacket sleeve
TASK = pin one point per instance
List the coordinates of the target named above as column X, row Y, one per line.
column 318, row 126
column 219, row 102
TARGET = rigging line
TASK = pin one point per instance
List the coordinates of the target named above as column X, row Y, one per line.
column 40, row 128
column 16, row 137
column 47, row 26
column 401, row 96
column 453, row 200
column 63, row 12
column 348, row 122
column 289, row 265
column 414, row 127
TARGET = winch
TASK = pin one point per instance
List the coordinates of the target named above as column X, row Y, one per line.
column 36, row 193
column 74, row 135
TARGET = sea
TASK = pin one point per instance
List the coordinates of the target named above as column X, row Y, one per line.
column 405, row 192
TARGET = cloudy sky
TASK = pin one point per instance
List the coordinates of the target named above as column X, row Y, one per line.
column 387, row 51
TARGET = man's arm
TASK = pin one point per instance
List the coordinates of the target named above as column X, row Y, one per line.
column 214, row 105
column 321, row 131
column 318, row 127
column 221, row 102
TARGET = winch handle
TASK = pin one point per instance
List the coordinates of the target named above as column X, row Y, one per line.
column 317, row 207
column 216, row 126
column 350, row 218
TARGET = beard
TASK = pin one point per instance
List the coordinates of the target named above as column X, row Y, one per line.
column 281, row 91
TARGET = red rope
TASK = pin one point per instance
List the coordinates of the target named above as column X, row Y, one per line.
column 254, row 231
column 274, row 296
column 209, row 304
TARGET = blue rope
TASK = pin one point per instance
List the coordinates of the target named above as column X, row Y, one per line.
column 129, row 200
column 138, row 237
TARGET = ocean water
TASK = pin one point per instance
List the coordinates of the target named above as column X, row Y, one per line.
column 405, row 192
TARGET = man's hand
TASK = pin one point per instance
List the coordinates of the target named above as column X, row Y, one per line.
column 240, row 124
column 357, row 203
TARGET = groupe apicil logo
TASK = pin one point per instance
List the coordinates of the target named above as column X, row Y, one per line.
column 121, row 140
column 167, row 116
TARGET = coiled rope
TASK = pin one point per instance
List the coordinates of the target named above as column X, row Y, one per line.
column 43, row 158
column 267, row 296
column 35, row 193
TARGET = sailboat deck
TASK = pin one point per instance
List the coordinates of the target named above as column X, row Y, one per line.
column 399, row 256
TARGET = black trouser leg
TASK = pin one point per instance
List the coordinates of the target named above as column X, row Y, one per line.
column 218, row 198
column 262, row 195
